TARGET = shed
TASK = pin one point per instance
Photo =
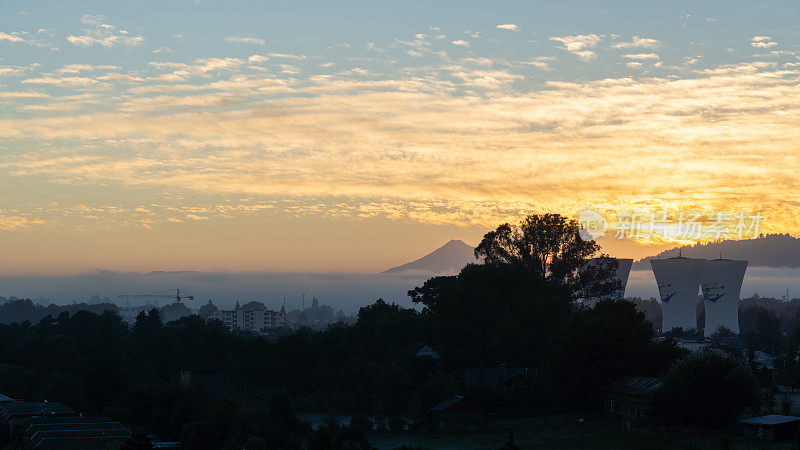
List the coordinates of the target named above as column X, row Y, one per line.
column 627, row 397
column 457, row 413
column 771, row 427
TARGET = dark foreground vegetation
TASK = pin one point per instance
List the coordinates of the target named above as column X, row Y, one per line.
column 517, row 309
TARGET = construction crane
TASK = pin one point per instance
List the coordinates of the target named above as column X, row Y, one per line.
column 177, row 295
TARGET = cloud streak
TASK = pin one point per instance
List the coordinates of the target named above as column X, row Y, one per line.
column 245, row 40
column 579, row 45
column 641, row 56
column 762, row 42
column 12, row 37
column 508, row 27
column 413, row 148
column 637, row 42
column 103, row 34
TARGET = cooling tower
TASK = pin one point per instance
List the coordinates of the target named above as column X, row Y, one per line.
column 623, row 270
column 721, row 287
column 678, row 282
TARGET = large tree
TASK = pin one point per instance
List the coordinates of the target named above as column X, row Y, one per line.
column 551, row 248
column 603, row 344
column 510, row 309
column 492, row 314
column 706, row 390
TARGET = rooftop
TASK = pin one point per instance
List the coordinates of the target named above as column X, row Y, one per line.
column 448, row 403
column 75, row 432
column 456, row 403
column 427, row 351
column 770, row 419
column 635, row 385
column 16, row 409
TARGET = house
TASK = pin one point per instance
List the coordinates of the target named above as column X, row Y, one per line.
column 457, row 414
column 54, row 425
column 427, row 352
column 762, row 360
column 627, row 398
column 75, row 432
column 497, row 377
column 771, row 427
column 14, row 412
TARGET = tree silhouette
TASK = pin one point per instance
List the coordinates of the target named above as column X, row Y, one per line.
column 603, row 344
column 207, row 310
column 707, row 390
column 551, row 248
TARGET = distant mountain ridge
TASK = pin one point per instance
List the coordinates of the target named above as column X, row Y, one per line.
column 772, row 250
column 447, row 259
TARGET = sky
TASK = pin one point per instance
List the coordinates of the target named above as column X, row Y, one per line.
column 355, row 136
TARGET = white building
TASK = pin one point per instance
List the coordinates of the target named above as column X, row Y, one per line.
column 250, row 319
column 722, row 285
column 678, row 282
column 623, row 271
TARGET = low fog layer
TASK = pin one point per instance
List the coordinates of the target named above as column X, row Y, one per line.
column 347, row 292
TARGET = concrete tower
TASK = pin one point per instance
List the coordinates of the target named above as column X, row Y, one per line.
column 722, row 285
column 678, row 282
column 623, row 271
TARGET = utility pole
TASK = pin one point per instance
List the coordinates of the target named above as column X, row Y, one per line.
column 303, row 305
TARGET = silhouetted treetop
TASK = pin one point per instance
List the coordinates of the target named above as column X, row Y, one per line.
column 551, row 248
column 549, row 244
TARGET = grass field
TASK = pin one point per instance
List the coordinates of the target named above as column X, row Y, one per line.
column 567, row 433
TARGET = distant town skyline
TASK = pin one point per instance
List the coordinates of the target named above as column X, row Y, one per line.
column 355, row 136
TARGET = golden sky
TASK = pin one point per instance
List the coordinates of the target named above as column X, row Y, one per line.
column 123, row 151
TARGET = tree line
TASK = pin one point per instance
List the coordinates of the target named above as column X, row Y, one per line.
column 516, row 309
